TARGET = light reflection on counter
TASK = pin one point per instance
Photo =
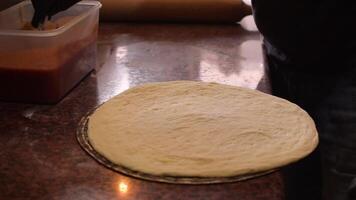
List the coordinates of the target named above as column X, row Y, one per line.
column 247, row 70
column 116, row 73
column 123, row 187
column 224, row 54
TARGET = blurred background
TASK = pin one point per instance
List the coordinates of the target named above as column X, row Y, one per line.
column 7, row 3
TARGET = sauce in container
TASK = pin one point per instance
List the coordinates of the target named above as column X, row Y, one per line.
column 43, row 66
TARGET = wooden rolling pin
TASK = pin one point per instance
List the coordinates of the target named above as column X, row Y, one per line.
column 207, row 11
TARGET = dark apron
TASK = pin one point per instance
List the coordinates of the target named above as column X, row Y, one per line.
column 330, row 99
column 314, row 66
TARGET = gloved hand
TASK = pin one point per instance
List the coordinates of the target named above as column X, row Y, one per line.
column 48, row 8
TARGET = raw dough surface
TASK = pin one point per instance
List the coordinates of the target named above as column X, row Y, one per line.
column 196, row 129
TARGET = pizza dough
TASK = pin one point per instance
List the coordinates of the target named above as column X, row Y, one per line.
column 195, row 129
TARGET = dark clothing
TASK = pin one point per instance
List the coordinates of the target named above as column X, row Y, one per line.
column 331, row 101
column 308, row 33
column 310, row 49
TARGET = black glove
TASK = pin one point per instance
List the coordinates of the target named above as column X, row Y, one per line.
column 48, row 8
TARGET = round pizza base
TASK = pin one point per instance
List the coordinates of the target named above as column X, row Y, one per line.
column 83, row 139
column 188, row 129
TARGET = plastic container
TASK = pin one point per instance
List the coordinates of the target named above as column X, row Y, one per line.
column 43, row 66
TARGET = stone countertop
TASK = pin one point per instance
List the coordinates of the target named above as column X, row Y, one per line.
column 40, row 157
